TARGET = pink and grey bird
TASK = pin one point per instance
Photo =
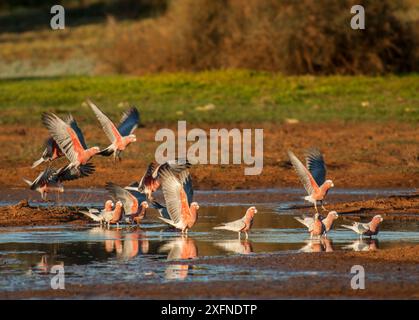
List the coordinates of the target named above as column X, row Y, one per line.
column 70, row 139
column 178, row 194
column 51, row 180
column 366, row 229
column 135, row 205
column 241, row 225
column 121, row 136
column 327, row 222
column 150, row 181
column 313, row 177
column 100, row 215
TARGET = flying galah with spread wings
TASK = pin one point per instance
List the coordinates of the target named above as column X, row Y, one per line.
column 178, row 194
column 150, row 181
column 366, row 229
column 313, row 177
column 241, row 225
column 327, row 222
column 70, row 139
column 135, row 206
column 50, row 180
column 121, row 136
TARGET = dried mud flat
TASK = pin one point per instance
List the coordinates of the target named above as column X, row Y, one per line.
column 390, row 273
column 358, row 155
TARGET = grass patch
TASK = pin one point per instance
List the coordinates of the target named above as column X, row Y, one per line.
column 236, row 96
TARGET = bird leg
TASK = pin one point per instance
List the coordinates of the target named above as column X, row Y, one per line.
column 315, row 207
column 239, row 233
column 323, row 207
column 247, row 235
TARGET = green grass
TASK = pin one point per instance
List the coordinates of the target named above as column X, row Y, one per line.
column 238, row 96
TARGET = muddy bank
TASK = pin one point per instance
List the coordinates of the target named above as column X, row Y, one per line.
column 24, row 215
column 394, row 208
column 395, row 279
column 361, row 155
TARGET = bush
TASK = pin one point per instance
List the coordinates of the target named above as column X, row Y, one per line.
column 293, row 37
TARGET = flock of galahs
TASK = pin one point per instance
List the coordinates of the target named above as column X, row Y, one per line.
column 129, row 204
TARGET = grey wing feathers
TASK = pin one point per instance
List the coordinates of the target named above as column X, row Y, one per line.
column 69, row 173
column 172, row 189
column 58, row 130
column 121, row 194
column 316, row 165
column 236, row 225
column 301, row 171
column 161, row 209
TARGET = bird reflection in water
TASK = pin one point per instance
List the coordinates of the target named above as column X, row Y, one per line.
column 126, row 245
column 236, row 246
column 363, row 245
column 181, row 248
column 44, row 266
column 318, row 245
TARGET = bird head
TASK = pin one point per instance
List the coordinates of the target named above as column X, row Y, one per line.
column 132, row 138
column 144, row 204
column 118, row 204
column 251, row 211
column 108, row 205
column 329, row 183
column 195, row 205
column 378, row 218
column 333, row 214
column 95, row 150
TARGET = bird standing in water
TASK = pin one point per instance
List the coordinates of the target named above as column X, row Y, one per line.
column 366, row 229
column 327, row 222
column 313, row 177
column 241, row 225
column 178, row 195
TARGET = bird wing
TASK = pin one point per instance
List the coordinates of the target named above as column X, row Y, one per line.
column 176, row 166
column 161, row 209
column 147, row 175
column 316, row 165
column 236, row 225
column 73, row 124
column 129, row 122
column 186, row 181
column 64, row 136
column 307, row 221
column 69, row 173
column 305, row 176
column 108, row 126
column 175, row 197
column 128, row 200
column 43, row 178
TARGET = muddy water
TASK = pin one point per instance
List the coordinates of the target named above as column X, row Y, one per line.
column 153, row 253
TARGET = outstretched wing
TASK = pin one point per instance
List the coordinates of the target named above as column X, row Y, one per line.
column 161, row 209
column 129, row 122
column 147, row 177
column 175, row 197
column 128, row 200
column 305, row 176
column 64, row 136
column 316, row 166
column 73, row 124
column 110, row 130
column 175, row 166
column 69, row 173
column 185, row 179
column 43, row 178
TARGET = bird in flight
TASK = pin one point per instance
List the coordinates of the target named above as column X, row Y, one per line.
column 69, row 139
column 121, row 136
